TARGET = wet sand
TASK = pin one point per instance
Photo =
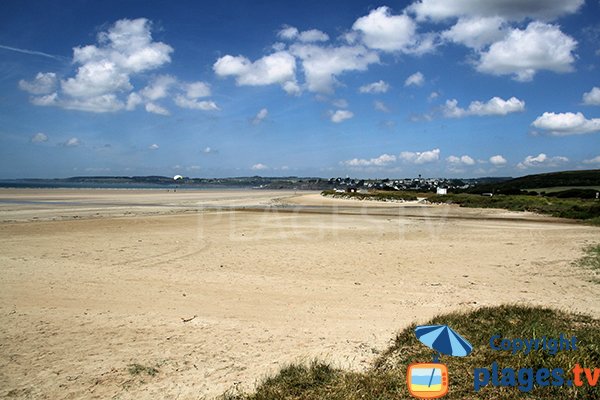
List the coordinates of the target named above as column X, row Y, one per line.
column 217, row 289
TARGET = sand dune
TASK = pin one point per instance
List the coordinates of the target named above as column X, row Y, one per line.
column 95, row 280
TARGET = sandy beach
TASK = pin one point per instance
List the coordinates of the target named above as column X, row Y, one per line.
column 218, row 289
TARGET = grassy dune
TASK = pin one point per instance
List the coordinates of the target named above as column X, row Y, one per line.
column 386, row 379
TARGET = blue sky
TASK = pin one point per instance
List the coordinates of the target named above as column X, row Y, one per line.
column 456, row 88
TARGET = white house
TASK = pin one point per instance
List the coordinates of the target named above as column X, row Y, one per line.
column 441, row 190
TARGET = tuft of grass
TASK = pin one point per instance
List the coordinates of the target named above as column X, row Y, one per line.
column 591, row 262
column 380, row 195
column 386, row 379
column 138, row 369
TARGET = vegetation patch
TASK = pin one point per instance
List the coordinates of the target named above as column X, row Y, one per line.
column 138, row 369
column 387, row 377
column 379, row 195
column 591, row 262
column 564, row 208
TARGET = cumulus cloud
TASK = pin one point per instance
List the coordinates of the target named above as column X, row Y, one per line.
column 153, row 146
column 288, row 33
column 522, row 53
column 43, row 83
column 494, row 106
column 416, row 79
column 497, row 160
column 39, row 138
column 375, row 87
column 104, row 69
column 340, row 103
column 260, row 116
column 158, row 88
column 279, row 67
column 420, row 157
column 72, row 142
column 462, row 160
column 195, row 104
column 514, row 10
column 321, row 65
column 382, row 160
column 564, row 124
column 313, row 35
column 309, row 36
column 595, row 160
column 476, row 32
column 381, row 30
column 196, row 90
column 592, row 98
column 380, row 106
column 259, row 167
column 542, row 160
column 340, row 115
column 156, row 109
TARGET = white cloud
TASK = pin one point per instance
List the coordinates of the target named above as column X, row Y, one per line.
column 592, row 98
column 420, row 157
column 156, row 109
column 194, row 104
column 494, row 106
column 462, row 160
column 196, row 90
column 340, row 115
column 133, row 100
column 279, row 67
column 380, row 106
column 43, row 83
column 158, row 88
column 340, row 103
column 381, row 30
column 514, row 10
column 416, row 79
column 288, row 33
column 104, row 70
column 209, row 150
column 95, row 79
column 542, row 160
column 476, row 32
column 259, row 167
column 260, row 116
column 382, row 160
column 97, row 104
column 497, row 160
column 595, row 160
column 433, row 96
column 39, row 138
column 153, row 146
column 322, row 64
column 375, row 87
column 313, row 35
column 292, row 88
column 524, row 52
column 564, row 124
column 72, row 142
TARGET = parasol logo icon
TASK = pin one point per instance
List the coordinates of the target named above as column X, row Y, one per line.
column 431, row 380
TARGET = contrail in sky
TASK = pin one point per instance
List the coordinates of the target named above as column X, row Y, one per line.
column 32, row 52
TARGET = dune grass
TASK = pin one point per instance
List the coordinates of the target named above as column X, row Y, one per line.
column 591, row 262
column 386, row 379
column 380, row 195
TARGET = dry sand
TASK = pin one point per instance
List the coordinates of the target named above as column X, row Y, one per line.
column 95, row 280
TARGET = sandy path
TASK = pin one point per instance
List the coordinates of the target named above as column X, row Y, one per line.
column 80, row 299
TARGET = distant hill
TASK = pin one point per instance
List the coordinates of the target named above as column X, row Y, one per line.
column 589, row 177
